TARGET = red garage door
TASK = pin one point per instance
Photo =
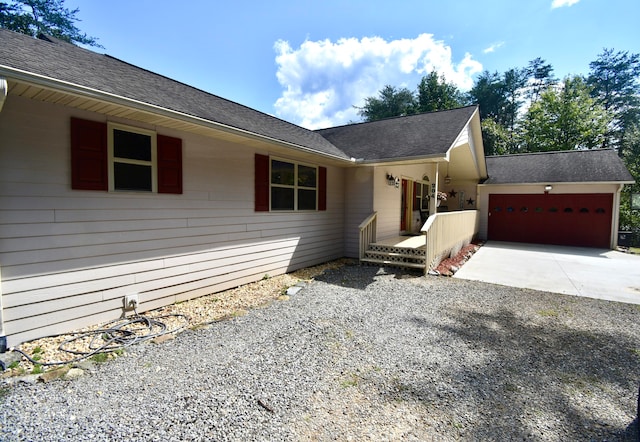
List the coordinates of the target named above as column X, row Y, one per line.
column 566, row 219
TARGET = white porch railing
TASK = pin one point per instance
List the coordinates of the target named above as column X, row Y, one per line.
column 368, row 232
column 447, row 233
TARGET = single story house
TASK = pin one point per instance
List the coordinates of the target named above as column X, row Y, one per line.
column 116, row 181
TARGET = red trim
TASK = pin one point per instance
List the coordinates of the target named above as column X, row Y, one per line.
column 322, row 188
column 405, row 205
column 261, row 183
column 169, row 164
column 89, row 157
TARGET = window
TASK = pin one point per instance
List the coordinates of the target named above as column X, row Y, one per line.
column 116, row 157
column 286, row 185
column 132, row 159
column 293, row 186
column 421, row 196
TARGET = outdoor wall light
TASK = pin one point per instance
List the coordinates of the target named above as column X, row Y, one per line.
column 548, row 187
column 393, row 181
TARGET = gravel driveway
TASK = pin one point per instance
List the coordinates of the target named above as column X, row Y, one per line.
column 361, row 354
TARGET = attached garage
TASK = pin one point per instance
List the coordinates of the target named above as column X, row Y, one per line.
column 566, row 198
column 564, row 219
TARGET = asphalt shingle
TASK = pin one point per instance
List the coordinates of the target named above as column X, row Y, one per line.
column 57, row 60
column 413, row 136
column 573, row 166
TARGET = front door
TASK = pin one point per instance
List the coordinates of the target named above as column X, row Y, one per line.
column 404, row 206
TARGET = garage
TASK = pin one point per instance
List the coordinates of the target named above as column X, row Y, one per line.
column 564, row 219
column 568, row 198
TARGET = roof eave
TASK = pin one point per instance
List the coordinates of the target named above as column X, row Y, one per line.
column 415, row 159
column 83, row 91
column 542, row 183
column 478, row 148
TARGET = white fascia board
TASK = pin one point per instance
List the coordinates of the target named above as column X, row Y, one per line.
column 557, row 183
column 96, row 94
column 4, row 90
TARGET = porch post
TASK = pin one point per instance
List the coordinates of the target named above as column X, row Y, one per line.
column 434, row 191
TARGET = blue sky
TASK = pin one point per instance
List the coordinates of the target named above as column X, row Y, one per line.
column 310, row 62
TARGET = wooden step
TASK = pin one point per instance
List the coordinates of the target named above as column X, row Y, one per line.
column 395, row 257
column 392, row 249
column 384, row 262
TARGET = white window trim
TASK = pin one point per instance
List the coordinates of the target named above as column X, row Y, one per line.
column 154, row 156
column 295, row 186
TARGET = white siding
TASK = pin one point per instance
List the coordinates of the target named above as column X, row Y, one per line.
column 464, row 137
column 69, row 257
column 358, row 205
column 388, row 199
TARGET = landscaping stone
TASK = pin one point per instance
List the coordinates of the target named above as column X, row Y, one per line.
column 51, row 375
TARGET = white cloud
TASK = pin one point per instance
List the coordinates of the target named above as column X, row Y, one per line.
column 323, row 80
column 562, row 3
column 493, row 47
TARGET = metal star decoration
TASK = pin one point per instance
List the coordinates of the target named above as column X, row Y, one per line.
column 470, row 201
column 452, row 193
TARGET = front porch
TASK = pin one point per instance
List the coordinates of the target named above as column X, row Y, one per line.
column 442, row 235
column 401, row 251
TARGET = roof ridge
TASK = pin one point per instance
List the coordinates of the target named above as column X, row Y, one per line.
column 549, row 152
column 398, row 117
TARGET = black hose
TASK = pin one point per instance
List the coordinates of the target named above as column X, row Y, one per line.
column 110, row 338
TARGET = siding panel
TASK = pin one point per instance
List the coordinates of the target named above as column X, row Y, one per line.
column 69, row 256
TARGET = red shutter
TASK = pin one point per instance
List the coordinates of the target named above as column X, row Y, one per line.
column 169, row 164
column 89, row 155
column 261, row 183
column 322, row 188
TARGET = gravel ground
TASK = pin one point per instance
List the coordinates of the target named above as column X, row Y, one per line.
column 362, row 354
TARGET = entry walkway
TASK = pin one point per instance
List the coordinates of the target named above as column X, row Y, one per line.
column 594, row 273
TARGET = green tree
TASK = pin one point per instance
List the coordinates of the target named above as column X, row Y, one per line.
column 391, row 102
column 487, row 93
column 34, row 17
column 495, row 137
column 500, row 98
column 435, row 94
column 540, row 77
column 615, row 78
column 630, row 219
column 565, row 118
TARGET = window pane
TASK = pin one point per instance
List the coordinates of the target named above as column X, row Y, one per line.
column 306, row 199
column 306, row 176
column 131, row 145
column 282, row 173
column 131, row 177
column 281, row 198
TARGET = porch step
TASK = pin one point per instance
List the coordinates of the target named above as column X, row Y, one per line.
column 394, row 256
column 413, row 265
column 382, row 254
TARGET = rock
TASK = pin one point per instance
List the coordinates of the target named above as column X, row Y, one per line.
column 163, row 338
column 52, row 375
column 8, row 358
column 29, row 379
column 74, row 373
column 85, row 365
column 293, row 290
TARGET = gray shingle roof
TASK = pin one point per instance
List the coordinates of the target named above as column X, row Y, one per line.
column 418, row 135
column 573, row 166
column 69, row 63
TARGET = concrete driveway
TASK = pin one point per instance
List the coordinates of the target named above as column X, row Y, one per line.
column 594, row 273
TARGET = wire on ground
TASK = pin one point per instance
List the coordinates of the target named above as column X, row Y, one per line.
column 113, row 336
